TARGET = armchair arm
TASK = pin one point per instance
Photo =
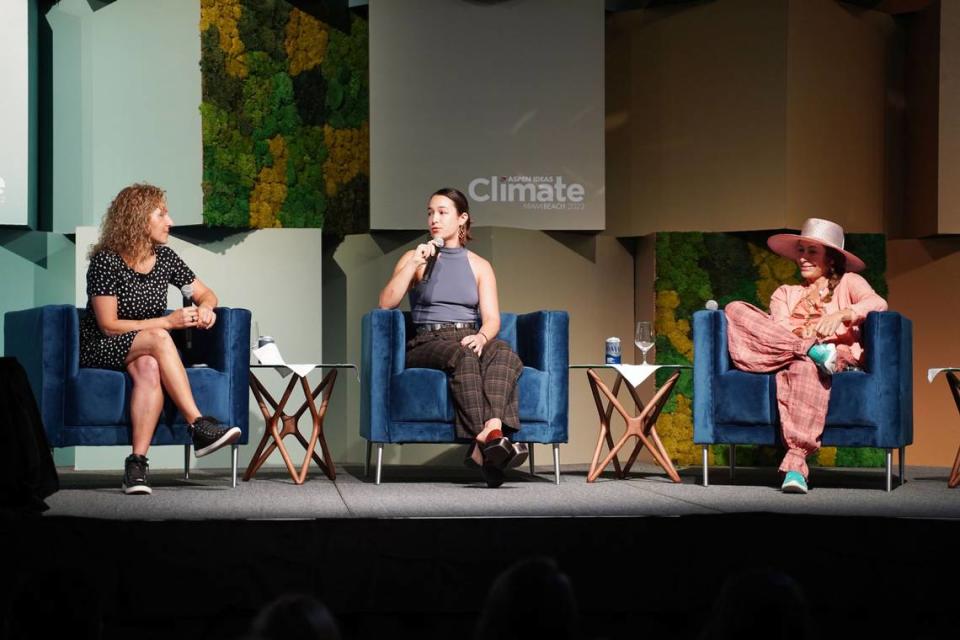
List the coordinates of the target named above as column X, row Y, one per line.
column 46, row 341
column 226, row 348
column 543, row 342
column 888, row 351
column 710, row 358
column 227, row 341
column 382, row 346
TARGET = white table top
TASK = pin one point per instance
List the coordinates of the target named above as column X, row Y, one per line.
column 933, row 372
column 635, row 374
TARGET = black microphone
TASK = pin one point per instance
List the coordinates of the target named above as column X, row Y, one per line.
column 187, row 292
column 432, row 260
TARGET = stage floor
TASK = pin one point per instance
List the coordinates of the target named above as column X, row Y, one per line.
column 435, row 492
column 415, row 556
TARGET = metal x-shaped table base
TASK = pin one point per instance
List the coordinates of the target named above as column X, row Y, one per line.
column 642, row 426
column 274, row 433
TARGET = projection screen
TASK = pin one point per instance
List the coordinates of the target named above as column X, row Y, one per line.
column 500, row 99
column 16, row 153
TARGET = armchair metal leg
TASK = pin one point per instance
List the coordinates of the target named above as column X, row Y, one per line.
column 366, row 460
column 186, row 462
column 556, row 462
column 903, row 465
column 234, row 449
column 706, row 474
column 530, row 448
column 889, row 470
column 732, row 459
column 379, row 460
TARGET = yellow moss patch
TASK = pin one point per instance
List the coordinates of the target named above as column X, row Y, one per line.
column 305, row 42
column 827, row 457
column 348, row 154
column 270, row 190
column 676, row 433
column 676, row 331
column 773, row 271
column 224, row 14
column 676, row 428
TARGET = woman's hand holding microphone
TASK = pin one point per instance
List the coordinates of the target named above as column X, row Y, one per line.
column 423, row 252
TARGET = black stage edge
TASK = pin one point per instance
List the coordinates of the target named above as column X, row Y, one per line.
column 393, row 578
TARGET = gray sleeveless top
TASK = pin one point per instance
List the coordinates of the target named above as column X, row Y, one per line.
column 451, row 295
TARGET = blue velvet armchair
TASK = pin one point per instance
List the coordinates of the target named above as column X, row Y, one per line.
column 869, row 408
column 90, row 407
column 400, row 405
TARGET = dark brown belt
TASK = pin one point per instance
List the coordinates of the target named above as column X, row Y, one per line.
column 437, row 326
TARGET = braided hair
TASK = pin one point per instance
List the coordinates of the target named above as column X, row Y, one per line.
column 836, row 267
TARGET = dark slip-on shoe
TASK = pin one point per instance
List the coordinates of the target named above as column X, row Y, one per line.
column 521, row 451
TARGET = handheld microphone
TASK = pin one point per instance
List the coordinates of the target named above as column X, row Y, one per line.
column 432, row 260
column 187, row 292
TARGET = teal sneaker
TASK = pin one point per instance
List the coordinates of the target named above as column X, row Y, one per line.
column 794, row 482
column 825, row 357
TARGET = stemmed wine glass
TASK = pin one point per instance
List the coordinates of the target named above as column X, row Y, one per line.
column 643, row 338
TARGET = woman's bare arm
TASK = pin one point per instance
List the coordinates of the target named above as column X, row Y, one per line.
column 489, row 302
column 489, row 305
column 105, row 309
column 405, row 275
column 206, row 301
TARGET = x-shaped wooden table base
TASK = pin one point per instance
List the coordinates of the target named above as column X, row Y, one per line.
column 642, row 426
column 275, row 433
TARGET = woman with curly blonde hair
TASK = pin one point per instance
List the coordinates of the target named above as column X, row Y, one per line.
column 125, row 328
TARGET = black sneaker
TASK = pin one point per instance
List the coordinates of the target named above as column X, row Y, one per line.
column 208, row 435
column 135, row 470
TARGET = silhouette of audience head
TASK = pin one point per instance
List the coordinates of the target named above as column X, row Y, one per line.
column 531, row 599
column 295, row 617
column 760, row 603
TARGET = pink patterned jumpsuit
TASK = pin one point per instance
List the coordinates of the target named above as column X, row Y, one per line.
column 761, row 343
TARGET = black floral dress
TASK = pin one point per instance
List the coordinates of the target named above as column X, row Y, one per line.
column 140, row 296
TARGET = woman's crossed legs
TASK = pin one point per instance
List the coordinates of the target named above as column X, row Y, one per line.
column 758, row 344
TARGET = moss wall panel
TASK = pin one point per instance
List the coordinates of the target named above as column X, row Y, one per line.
column 286, row 134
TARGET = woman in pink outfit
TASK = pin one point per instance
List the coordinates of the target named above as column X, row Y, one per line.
column 811, row 332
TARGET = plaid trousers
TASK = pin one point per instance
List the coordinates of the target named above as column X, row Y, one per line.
column 760, row 345
column 483, row 387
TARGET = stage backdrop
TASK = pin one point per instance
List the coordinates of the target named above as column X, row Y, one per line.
column 503, row 100
column 285, row 125
column 695, row 267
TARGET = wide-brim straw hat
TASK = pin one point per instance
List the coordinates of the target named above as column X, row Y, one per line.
column 823, row 232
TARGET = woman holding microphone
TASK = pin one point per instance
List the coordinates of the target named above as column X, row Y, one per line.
column 457, row 317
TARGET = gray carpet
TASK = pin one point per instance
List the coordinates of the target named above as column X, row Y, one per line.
column 431, row 492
